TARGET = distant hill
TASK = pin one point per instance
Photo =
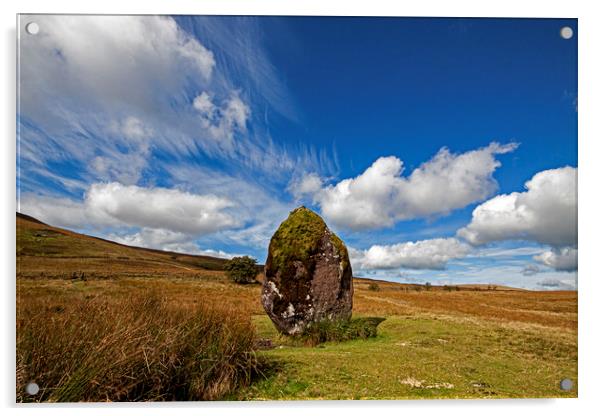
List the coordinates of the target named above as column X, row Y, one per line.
column 385, row 284
column 484, row 286
column 42, row 248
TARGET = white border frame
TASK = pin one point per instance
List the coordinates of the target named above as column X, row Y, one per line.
column 590, row 151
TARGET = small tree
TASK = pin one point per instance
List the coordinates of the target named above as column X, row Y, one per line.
column 242, row 269
column 428, row 285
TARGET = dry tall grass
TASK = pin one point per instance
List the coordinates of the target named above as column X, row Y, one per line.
column 140, row 348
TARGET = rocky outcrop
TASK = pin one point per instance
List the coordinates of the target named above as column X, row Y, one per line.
column 308, row 275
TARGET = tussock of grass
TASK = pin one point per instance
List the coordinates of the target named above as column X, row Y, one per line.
column 136, row 349
column 341, row 330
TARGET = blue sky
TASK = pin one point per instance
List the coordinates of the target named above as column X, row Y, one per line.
column 440, row 150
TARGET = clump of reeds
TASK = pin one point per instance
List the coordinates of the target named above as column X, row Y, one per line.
column 141, row 348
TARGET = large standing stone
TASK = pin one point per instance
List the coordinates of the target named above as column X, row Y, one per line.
column 308, row 276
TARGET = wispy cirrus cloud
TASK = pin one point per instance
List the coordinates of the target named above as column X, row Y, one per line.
column 118, row 107
column 187, row 100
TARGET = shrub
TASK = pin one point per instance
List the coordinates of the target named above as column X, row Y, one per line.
column 242, row 269
column 373, row 287
column 340, row 330
column 131, row 350
column 427, row 286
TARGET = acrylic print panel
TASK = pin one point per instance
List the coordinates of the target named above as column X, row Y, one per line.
column 268, row 208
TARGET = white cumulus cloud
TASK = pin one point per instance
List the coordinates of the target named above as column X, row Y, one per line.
column 168, row 211
column 546, row 212
column 560, row 259
column 163, row 208
column 380, row 196
column 306, row 185
column 111, row 58
column 425, row 254
column 61, row 212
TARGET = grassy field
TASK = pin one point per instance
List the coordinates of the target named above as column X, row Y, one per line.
column 476, row 342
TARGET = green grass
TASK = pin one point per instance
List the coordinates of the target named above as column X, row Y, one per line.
column 419, row 358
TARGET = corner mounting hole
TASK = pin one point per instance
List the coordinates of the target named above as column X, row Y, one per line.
column 566, row 32
column 566, row 384
column 32, row 28
column 32, row 388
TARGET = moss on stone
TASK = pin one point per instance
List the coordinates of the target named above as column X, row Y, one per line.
column 297, row 238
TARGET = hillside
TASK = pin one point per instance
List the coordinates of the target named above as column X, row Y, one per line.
column 39, row 245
